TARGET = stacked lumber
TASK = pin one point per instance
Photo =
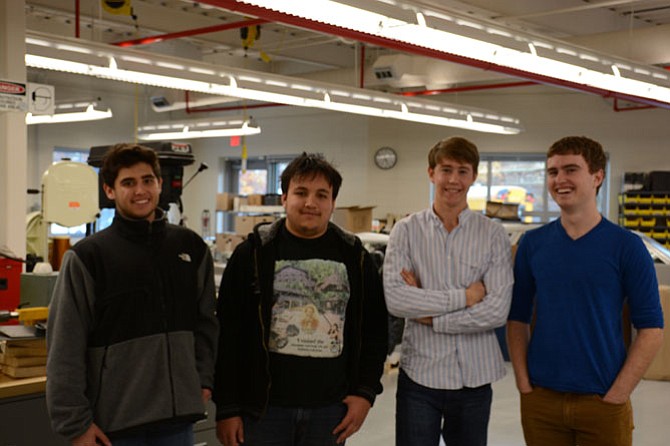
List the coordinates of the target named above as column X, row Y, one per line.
column 23, row 358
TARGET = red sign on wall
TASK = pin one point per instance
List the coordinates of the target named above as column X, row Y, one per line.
column 13, row 96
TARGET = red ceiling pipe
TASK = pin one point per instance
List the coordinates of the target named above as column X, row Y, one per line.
column 233, row 107
column 77, row 14
column 227, row 108
column 275, row 16
column 190, row 32
column 616, row 107
column 467, row 88
column 406, row 93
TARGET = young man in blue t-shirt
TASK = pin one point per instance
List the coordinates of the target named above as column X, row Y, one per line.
column 572, row 278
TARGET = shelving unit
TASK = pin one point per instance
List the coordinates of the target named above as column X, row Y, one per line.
column 254, row 211
column 646, row 212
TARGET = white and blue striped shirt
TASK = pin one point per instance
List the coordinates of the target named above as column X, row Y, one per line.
column 461, row 348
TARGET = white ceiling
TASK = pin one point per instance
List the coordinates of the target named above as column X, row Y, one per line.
column 637, row 30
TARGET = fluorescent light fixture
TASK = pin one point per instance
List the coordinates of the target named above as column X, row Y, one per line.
column 72, row 112
column 201, row 128
column 481, row 43
column 127, row 65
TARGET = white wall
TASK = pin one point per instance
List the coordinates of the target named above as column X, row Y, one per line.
column 636, row 141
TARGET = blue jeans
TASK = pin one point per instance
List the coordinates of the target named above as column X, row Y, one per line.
column 177, row 435
column 294, row 426
column 423, row 414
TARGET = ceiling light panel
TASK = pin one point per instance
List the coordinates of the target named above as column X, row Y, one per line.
column 72, row 112
column 202, row 128
column 468, row 38
column 127, row 65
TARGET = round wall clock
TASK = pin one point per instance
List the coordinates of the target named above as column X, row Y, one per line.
column 386, row 158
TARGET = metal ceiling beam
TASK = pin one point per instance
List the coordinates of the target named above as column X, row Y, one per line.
column 584, row 7
column 279, row 17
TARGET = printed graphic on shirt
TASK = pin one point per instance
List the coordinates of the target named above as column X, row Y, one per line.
column 310, row 302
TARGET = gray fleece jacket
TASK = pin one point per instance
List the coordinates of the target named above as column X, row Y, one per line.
column 132, row 332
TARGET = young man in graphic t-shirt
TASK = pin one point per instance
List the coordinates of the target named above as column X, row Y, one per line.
column 303, row 324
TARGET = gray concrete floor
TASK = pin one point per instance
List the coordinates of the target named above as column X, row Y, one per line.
column 651, row 406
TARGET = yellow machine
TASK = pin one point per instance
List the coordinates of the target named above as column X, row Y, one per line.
column 26, row 316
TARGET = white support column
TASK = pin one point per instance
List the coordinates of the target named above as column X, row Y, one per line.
column 13, row 132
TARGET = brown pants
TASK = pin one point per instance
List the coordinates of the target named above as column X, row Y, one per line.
column 551, row 418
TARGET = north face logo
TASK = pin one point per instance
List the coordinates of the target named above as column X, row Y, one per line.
column 185, row 257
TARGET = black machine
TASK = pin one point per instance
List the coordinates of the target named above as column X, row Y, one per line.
column 172, row 158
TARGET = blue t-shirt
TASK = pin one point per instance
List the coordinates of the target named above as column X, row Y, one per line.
column 579, row 288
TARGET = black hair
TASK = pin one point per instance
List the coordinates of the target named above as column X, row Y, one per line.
column 311, row 165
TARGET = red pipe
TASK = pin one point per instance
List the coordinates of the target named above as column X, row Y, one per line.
column 229, row 108
column 406, row 93
column 234, row 107
column 467, row 88
column 275, row 16
column 190, row 32
column 76, row 18
column 623, row 109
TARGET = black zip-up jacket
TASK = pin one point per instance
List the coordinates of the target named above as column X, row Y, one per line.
column 242, row 379
column 132, row 331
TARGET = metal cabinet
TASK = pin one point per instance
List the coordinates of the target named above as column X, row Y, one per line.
column 24, row 422
column 204, row 431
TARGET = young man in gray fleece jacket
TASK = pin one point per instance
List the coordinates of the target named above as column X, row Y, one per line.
column 132, row 332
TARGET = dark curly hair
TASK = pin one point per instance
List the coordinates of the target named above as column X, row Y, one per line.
column 127, row 155
column 310, row 165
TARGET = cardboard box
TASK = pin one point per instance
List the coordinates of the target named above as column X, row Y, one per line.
column 660, row 367
column 224, row 201
column 244, row 224
column 226, row 243
column 239, row 201
column 503, row 211
column 354, row 218
column 255, row 200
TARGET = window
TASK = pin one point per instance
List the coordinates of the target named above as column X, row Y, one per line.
column 77, row 155
column 520, row 179
column 262, row 176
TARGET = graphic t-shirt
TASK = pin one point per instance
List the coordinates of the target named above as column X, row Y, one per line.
column 310, row 293
column 310, row 300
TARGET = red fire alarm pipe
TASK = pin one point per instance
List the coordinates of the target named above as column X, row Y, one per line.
column 279, row 17
column 227, row 108
column 468, row 88
column 189, row 33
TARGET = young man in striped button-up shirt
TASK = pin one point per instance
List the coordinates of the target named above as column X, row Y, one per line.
column 448, row 272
